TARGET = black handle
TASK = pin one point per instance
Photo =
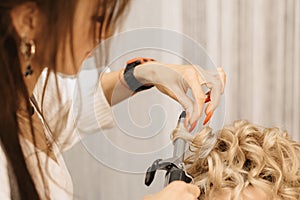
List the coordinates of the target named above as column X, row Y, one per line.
column 178, row 175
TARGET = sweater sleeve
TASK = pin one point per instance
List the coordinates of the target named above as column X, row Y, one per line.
column 81, row 110
column 92, row 112
column 5, row 187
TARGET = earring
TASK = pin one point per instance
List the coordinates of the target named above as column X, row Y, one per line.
column 27, row 49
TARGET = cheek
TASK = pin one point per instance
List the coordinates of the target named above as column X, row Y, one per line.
column 82, row 31
column 82, row 39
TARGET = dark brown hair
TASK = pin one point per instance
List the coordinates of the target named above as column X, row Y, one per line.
column 59, row 15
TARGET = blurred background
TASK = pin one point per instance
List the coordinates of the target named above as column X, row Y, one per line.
column 257, row 42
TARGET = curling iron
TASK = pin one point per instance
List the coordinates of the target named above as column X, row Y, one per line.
column 174, row 166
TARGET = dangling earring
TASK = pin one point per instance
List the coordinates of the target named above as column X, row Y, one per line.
column 27, row 49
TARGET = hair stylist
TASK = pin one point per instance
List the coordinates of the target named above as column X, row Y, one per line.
column 54, row 36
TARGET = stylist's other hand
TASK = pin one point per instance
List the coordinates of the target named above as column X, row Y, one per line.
column 177, row 190
column 175, row 80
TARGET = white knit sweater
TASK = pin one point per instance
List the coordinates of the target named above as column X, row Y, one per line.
column 84, row 106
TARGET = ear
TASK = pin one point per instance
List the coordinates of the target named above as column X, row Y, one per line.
column 25, row 19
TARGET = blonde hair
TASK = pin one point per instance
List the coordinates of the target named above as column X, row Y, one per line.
column 246, row 155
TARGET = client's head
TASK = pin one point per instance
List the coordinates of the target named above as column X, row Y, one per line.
column 245, row 162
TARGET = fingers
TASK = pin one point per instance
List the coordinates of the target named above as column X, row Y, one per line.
column 222, row 75
column 184, row 190
column 200, row 98
column 210, row 113
column 215, row 96
column 216, row 90
column 195, row 80
column 216, row 84
column 194, row 190
column 187, row 104
column 208, row 117
column 176, row 80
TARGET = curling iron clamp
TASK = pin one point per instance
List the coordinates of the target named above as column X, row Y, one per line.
column 173, row 166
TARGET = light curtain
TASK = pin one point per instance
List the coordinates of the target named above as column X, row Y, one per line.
column 258, row 44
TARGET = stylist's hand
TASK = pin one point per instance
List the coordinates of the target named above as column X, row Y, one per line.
column 175, row 80
column 177, row 190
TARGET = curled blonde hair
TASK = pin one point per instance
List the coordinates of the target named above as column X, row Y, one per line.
column 246, row 155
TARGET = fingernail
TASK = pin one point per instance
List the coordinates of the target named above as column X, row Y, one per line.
column 207, row 97
column 208, row 117
column 193, row 126
column 207, row 100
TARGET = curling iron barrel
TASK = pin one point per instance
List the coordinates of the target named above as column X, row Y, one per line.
column 174, row 166
column 179, row 144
